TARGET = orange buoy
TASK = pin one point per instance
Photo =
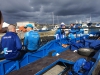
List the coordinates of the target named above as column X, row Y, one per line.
column 21, row 28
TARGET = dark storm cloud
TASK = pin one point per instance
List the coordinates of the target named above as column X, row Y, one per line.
column 78, row 7
column 43, row 10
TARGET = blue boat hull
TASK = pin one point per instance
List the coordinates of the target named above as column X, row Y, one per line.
column 50, row 71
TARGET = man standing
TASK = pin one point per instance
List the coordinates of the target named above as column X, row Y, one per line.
column 31, row 39
column 60, row 33
column 11, row 44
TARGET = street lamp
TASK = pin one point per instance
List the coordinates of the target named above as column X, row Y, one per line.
column 32, row 9
column 53, row 18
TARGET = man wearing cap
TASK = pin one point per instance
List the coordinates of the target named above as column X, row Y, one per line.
column 31, row 39
column 11, row 44
column 60, row 33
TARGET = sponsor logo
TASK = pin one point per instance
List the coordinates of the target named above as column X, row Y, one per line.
column 6, row 37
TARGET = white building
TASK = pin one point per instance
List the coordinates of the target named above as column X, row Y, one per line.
column 24, row 23
column 5, row 25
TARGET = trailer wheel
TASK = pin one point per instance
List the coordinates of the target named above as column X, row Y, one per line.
column 86, row 51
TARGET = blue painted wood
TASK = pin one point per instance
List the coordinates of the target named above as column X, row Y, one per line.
column 1, row 68
column 96, row 56
column 7, row 66
column 54, row 63
column 11, row 68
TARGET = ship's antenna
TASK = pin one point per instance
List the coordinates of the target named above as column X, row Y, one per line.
column 90, row 18
column 57, row 20
column 38, row 18
column 53, row 18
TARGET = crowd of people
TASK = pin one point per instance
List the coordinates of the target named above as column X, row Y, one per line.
column 74, row 44
column 74, row 29
column 11, row 44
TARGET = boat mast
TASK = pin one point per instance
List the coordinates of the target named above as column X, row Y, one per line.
column 90, row 18
column 53, row 18
column 38, row 18
column 57, row 20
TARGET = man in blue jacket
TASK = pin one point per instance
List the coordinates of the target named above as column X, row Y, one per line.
column 31, row 39
column 11, row 43
column 60, row 33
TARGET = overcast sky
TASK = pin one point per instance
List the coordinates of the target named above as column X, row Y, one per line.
column 42, row 11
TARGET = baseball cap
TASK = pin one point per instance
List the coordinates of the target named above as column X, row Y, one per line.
column 29, row 25
column 62, row 24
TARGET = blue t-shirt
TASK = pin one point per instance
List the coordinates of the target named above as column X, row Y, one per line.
column 32, row 40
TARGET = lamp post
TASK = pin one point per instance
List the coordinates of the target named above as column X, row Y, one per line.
column 32, row 9
column 57, row 20
column 38, row 18
column 53, row 18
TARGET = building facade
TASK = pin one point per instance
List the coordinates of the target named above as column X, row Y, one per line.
column 24, row 23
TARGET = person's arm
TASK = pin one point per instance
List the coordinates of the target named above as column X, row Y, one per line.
column 98, row 38
column 66, row 45
column 18, row 43
column 25, row 39
column 57, row 34
column 1, row 50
